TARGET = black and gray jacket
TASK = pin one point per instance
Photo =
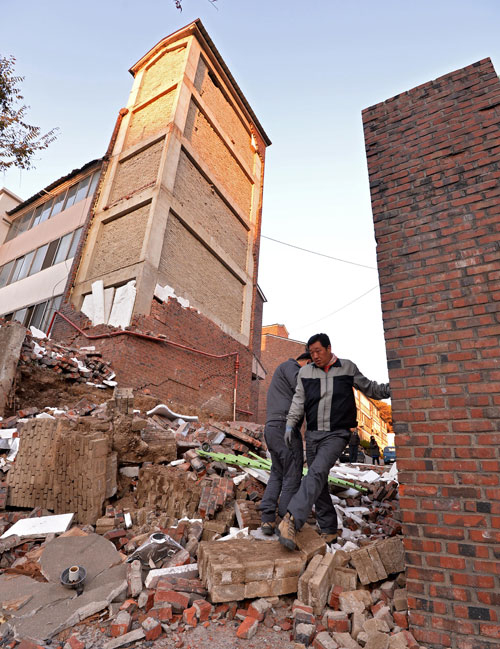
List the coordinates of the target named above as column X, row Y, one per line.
column 327, row 398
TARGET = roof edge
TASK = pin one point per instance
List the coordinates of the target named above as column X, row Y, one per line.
column 197, row 27
column 52, row 185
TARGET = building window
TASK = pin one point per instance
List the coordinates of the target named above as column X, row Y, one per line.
column 36, row 315
column 43, row 257
column 70, row 196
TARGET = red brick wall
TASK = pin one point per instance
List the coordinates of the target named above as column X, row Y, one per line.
column 274, row 351
column 434, row 165
column 187, row 381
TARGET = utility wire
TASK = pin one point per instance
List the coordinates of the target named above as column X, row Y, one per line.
column 339, row 309
column 320, row 254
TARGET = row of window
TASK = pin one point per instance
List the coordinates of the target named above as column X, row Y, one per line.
column 67, row 198
column 47, row 255
column 36, row 315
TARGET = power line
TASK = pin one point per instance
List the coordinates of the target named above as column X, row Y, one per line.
column 320, row 254
column 339, row 309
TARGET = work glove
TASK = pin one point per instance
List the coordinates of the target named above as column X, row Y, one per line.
column 288, row 436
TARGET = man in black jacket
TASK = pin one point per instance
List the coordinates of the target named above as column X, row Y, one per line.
column 287, row 461
column 324, row 393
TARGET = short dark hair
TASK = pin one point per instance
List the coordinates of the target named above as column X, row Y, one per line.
column 306, row 356
column 323, row 340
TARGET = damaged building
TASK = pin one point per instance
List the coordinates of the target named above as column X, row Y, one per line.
column 165, row 244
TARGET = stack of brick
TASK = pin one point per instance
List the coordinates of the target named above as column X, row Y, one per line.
column 215, row 494
column 60, row 468
column 176, row 493
column 241, row 569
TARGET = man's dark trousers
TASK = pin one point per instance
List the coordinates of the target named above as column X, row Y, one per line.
column 323, row 449
column 286, row 470
column 353, row 453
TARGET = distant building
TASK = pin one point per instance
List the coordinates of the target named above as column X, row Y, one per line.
column 38, row 241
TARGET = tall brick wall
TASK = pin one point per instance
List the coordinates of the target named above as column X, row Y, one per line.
column 274, row 350
column 434, row 165
column 188, row 382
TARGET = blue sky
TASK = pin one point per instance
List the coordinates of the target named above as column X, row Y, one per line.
column 307, row 68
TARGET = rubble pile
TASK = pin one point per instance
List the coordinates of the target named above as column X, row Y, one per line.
column 157, row 515
column 83, row 365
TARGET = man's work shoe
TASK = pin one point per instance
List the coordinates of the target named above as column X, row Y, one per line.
column 267, row 528
column 287, row 532
column 329, row 538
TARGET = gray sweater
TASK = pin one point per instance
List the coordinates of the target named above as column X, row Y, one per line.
column 281, row 390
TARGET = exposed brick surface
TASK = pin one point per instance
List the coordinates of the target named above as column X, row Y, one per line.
column 185, row 380
column 433, row 158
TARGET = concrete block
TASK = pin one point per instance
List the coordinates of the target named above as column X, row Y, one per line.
column 357, row 622
column 345, row 641
column 188, row 571
column 152, row 628
column 377, row 640
column 384, row 613
column 303, row 587
column 375, row 624
column 310, row 542
column 121, row 624
column 398, row 641
column 336, row 621
column 304, row 633
column 132, row 636
column 392, row 554
column 400, row 599
column 320, row 582
column 258, row 609
column 354, row 601
column 345, row 577
column 134, row 578
column 324, row 641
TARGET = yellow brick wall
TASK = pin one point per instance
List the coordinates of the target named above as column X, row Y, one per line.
column 206, row 209
column 164, row 72
column 151, row 119
column 207, row 86
column 217, row 156
column 191, row 269
column 120, row 242
column 136, row 172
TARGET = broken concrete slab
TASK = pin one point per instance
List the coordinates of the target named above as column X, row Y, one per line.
column 40, row 526
column 123, row 305
column 59, row 608
column 48, row 608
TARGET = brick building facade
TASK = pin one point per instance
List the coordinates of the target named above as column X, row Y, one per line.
column 178, row 211
column 434, row 165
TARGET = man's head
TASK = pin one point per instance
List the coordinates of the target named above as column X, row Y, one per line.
column 320, row 349
column 303, row 359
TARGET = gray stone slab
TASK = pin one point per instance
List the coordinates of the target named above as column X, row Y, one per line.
column 54, row 614
column 93, row 552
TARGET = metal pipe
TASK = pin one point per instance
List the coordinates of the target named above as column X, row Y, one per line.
column 122, row 332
